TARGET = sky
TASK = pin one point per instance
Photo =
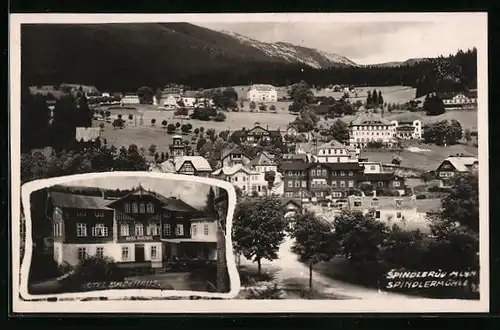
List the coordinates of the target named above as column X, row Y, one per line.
column 193, row 193
column 365, row 42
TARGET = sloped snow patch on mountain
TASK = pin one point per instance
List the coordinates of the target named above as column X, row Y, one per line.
column 292, row 53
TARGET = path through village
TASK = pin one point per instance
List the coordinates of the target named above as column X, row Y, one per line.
column 288, row 267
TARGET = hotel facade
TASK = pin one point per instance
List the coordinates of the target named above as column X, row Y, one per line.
column 141, row 228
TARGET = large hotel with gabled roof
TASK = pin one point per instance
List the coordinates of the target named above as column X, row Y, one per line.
column 140, row 228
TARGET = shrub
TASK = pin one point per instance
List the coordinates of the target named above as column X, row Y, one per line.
column 269, row 292
column 94, row 269
column 421, row 196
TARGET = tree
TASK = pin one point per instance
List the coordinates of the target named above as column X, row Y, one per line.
column 152, row 149
column 315, row 240
column 170, row 128
column 242, row 104
column 101, row 126
column 270, row 177
column 94, row 269
column 196, row 131
column 272, row 107
column 374, row 98
column 164, row 123
column 433, row 105
column 189, row 127
column 369, row 100
column 202, row 129
column 252, row 106
column 181, row 112
column 259, row 228
column 380, row 99
column 153, row 121
column 224, row 135
column 467, row 136
column 119, row 116
column 396, row 160
column 340, row 131
column 184, row 129
column 130, row 117
column 443, row 132
column 177, row 125
column 145, row 95
column 108, row 114
column 200, row 144
column 359, row 236
column 262, row 107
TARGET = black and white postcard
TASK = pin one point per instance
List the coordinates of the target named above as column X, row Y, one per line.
column 265, row 162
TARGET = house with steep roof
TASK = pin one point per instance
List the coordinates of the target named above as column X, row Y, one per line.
column 240, row 177
column 142, row 228
column 262, row 93
column 463, row 100
column 294, row 158
column 177, row 148
column 383, row 180
column 456, row 164
column 336, row 152
column 130, row 99
column 233, row 156
column 192, row 165
column 370, row 127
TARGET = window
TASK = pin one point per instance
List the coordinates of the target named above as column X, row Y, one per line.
column 154, row 252
column 99, row 252
column 375, row 202
column 334, row 173
column 81, row 214
column 81, row 229
column 377, row 214
column 337, row 194
column 313, row 172
column 135, row 209
column 99, row 214
column 127, row 208
column 338, row 161
column 153, row 229
column 205, row 229
column 82, row 253
column 398, row 215
column 150, row 208
column 139, row 229
column 380, row 183
column 124, row 229
column 193, row 230
column 166, row 229
column 342, row 184
column 179, row 230
column 125, row 253
column 297, row 184
column 396, row 183
column 342, row 173
column 100, row 230
column 142, row 208
column 334, row 184
column 56, row 253
column 398, row 202
column 166, row 215
column 350, row 173
column 351, row 184
column 357, row 203
column 323, row 172
column 304, row 184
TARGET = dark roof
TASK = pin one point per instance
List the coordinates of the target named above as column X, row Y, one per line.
column 69, row 200
column 377, row 176
column 235, row 150
column 343, row 166
column 285, row 201
column 295, row 156
column 295, row 166
column 175, row 205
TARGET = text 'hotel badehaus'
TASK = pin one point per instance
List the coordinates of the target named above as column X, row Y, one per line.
column 140, row 227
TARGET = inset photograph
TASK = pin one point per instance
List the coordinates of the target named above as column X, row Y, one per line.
column 132, row 232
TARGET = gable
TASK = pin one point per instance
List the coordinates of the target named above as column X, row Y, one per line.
column 258, row 131
column 185, row 166
column 446, row 165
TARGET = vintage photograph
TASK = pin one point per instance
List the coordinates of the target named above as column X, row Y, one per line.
column 356, row 145
column 129, row 232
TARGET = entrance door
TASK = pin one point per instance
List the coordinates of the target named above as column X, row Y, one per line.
column 139, row 253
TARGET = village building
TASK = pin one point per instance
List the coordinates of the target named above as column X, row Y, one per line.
column 465, row 100
column 294, row 158
column 401, row 211
column 335, row 152
column 177, row 148
column 370, row 127
column 264, row 162
column 239, row 175
column 141, row 228
column 320, row 180
column 234, row 156
column 383, row 180
column 87, row 134
column 262, row 93
column 457, row 164
column 407, row 126
column 257, row 134
column 130, row 99
column 371, row 167
column 192, row 165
